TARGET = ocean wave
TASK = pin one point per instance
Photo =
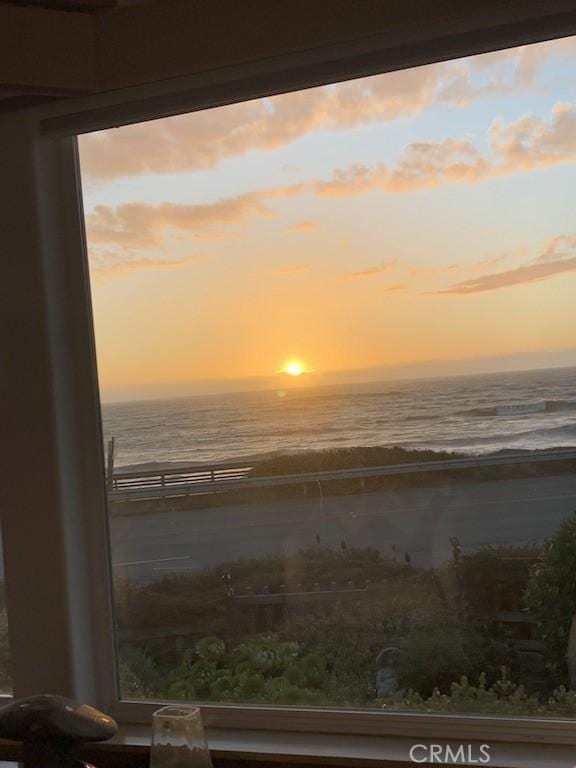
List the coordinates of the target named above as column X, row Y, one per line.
column 538, row 438
column 476, row 415
column 521, row 409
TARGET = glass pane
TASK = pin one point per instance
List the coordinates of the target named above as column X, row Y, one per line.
column 335, row 335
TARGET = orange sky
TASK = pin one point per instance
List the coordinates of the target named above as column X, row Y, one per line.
column 422, row 215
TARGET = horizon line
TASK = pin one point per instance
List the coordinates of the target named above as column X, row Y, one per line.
column 296, row 385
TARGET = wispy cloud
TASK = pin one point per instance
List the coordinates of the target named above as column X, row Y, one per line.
column 376, row 269
column 303, row 226
column 203, row 139
column 419, row 270
column 137, row 224
column 395, row 287
column 441, row 270
column 293, row 269
column 558, row 256
column 522, row 145
column 482, row 265
column 110, row 264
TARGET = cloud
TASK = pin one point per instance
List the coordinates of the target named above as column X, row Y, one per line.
column 481, row 265
column 421, row 164
column 202, row 140
column 293, row 269
column 501, row 72
column 525, row 144
column 376, row 269
column 559, row 256
column 395, row 287
column 431, row 271
column 532, row 141
column 110, row 263
column 117, row 235
column 140, row 225
column 563, row 246
column 529, row 273
column 474, row 267
column 303, row 226
column 136, row 224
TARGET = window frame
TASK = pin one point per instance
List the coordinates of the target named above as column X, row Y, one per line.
column 50, row 224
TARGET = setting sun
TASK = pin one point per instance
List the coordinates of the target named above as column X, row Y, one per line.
column 293, row 368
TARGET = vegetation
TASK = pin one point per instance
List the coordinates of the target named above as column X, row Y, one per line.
column 193, row 637
column 268, row 669
column 204, row 599
column 551, row 598
column 327, row 652
column 494, row 578
column 345, row 458
column 502, row 697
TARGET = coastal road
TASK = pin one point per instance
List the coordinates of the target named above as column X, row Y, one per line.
column 419, row 521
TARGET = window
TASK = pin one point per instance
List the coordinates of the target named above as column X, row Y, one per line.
column 335, row 343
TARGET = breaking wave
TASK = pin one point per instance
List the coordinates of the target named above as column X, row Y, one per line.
column 521, row 409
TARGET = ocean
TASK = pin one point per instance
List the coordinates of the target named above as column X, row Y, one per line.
column 526, row 410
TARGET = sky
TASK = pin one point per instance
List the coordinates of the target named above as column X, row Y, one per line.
column 421, row 222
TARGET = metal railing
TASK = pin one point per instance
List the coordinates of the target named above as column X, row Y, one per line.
column 178, row 478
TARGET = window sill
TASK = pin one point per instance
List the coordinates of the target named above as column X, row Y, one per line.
column 242, row 748
column 245, row 747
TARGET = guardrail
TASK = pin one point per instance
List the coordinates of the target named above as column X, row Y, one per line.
column 178, row 477
column 197, row 479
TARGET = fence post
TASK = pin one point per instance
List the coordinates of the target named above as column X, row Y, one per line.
column 110, row 465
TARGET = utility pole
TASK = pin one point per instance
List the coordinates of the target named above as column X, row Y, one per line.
column 457, row 560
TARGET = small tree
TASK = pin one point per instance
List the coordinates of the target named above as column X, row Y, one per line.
column 551, row 597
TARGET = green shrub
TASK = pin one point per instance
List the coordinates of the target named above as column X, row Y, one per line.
column 265, row 669
column 344, row 458
column 495, row 578
column 503, row 697
column 551, row 596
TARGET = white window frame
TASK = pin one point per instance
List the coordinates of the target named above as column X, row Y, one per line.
column 54, row 521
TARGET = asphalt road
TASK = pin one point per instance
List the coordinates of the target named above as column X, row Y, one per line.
column 418, row 521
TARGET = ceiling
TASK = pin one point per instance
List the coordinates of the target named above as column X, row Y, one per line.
column 78, row 6
column 40, row 37
column 51, row 50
